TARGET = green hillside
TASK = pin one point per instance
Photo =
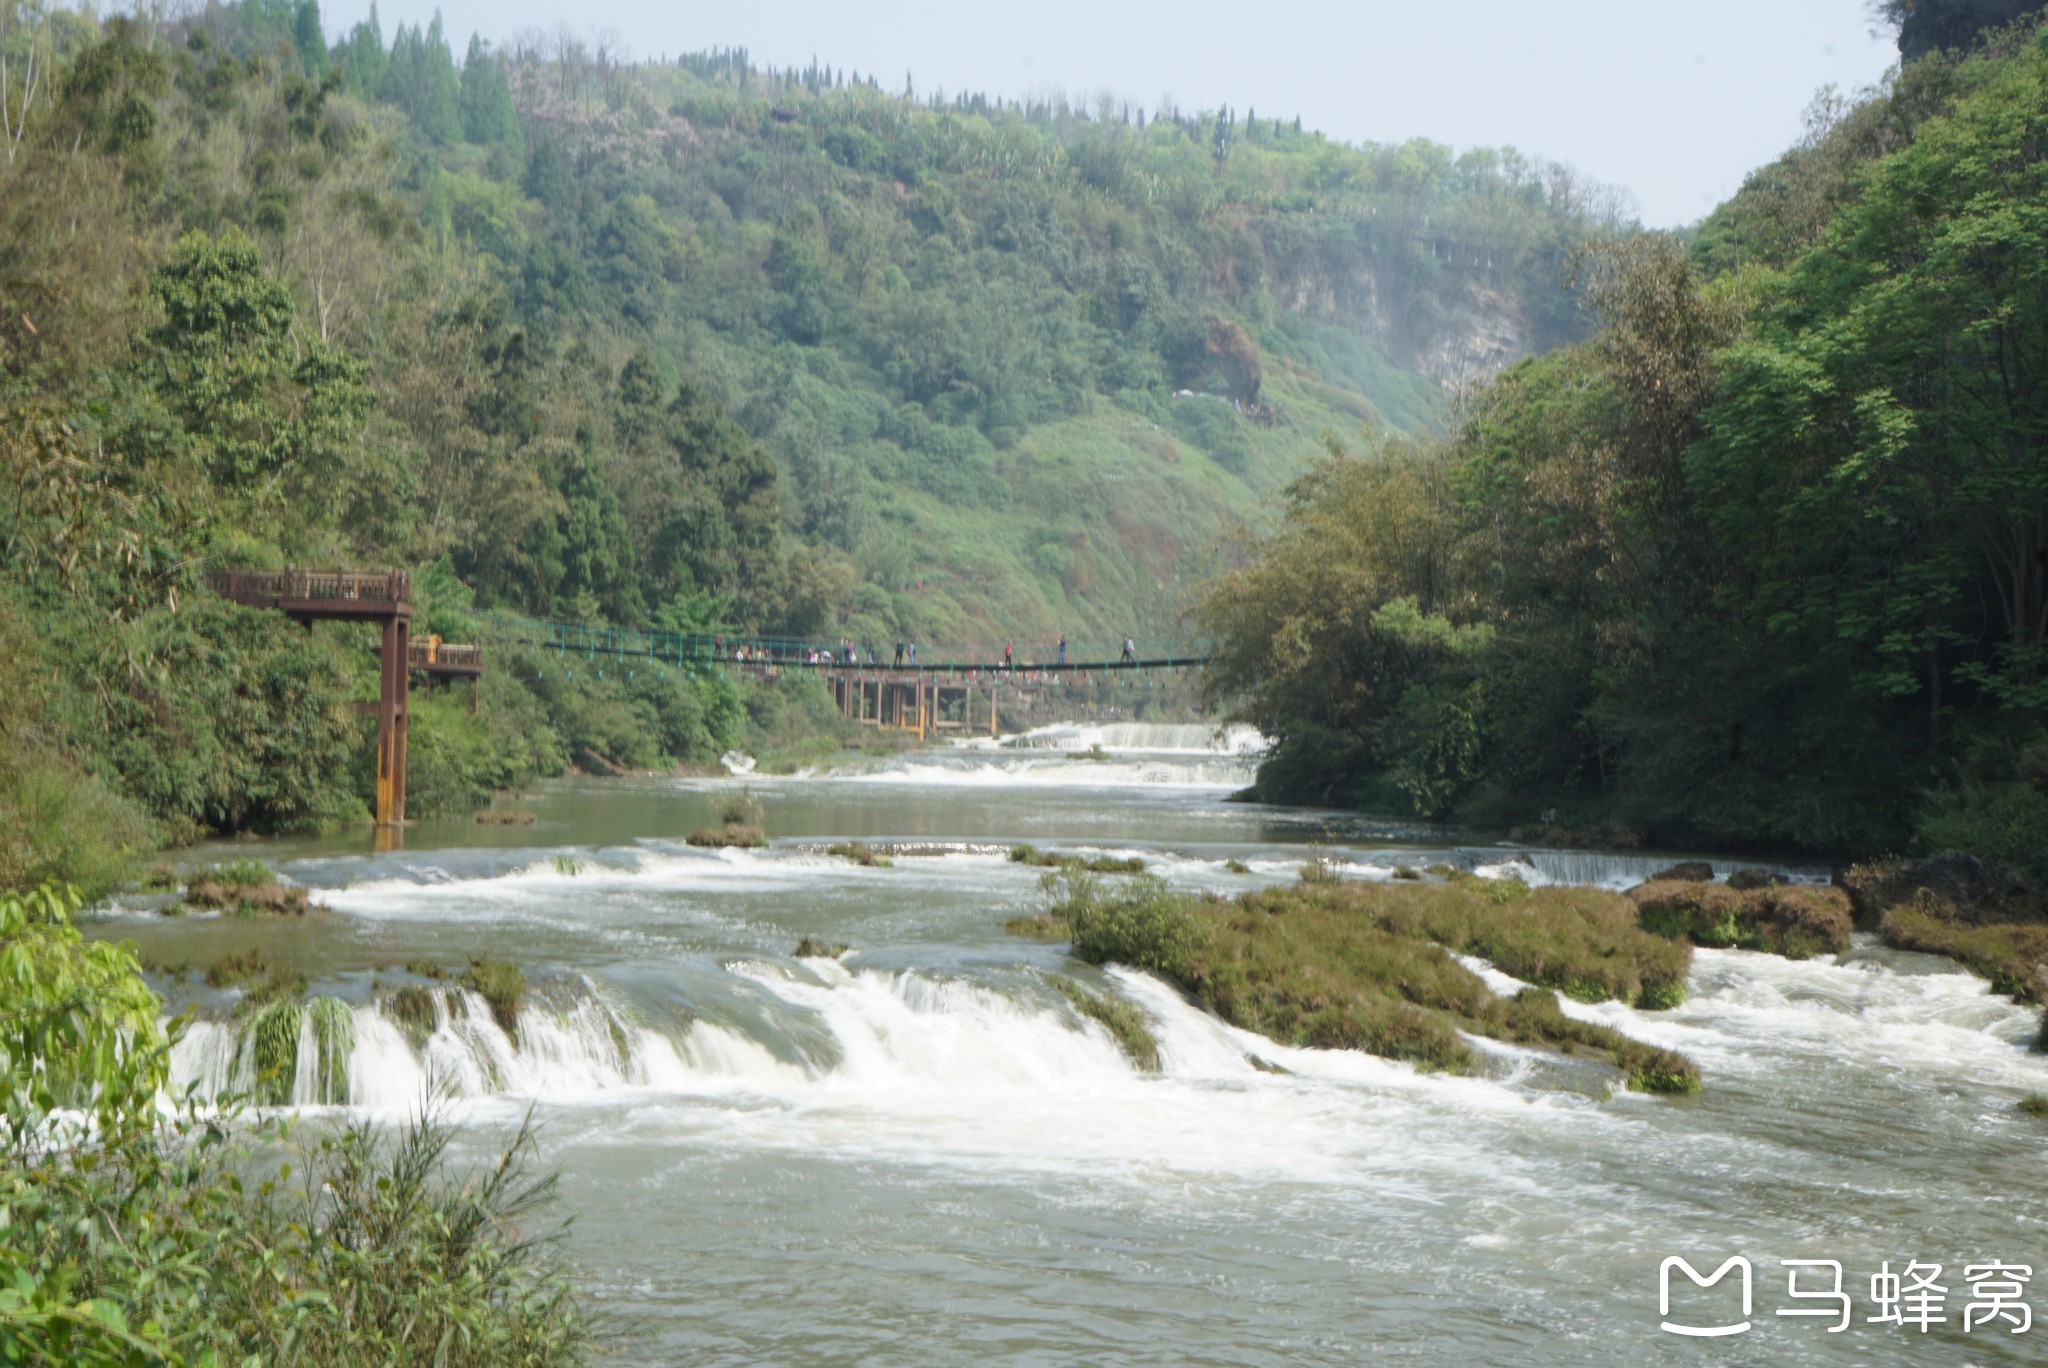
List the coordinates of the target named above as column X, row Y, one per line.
column 1764, row 562
column 688, row 344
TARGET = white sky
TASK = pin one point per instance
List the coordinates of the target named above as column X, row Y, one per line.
column 1674, row 101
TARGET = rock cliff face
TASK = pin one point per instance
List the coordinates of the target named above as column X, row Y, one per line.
column 1476, row 341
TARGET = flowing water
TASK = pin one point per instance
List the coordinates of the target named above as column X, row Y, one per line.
column 917, row 1154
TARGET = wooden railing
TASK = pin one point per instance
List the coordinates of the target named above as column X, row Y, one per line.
column 427, row 655
column 391, row 586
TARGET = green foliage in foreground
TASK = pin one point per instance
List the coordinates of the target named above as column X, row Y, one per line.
column 1763, row 562
column 1369, row 967
column 200, row 1238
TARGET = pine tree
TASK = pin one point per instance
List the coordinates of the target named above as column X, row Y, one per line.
column 440, row 114
column 309, row 35
column 489, row 118
column 362, row 58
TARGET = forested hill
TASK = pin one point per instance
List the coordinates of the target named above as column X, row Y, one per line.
column 682, row 343
column 957, row 327
column 1763, row 562
column 960, row 326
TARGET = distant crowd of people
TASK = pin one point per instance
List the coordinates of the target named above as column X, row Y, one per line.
column 853, row 655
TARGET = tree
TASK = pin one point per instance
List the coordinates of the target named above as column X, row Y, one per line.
column 309, row 35
column 488, row 116
column 1934, row 25
column 265, row 414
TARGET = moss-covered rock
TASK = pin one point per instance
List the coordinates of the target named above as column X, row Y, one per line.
column 2014, row 956
column 1797, row 921
column 1124, row 1022
column 1959, row 887
column 732, row 834
column 1371, row 966
column 502, row 986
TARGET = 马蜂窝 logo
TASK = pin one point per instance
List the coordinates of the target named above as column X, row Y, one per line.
column 1702, row 1331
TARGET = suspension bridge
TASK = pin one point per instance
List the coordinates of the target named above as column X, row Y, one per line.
column 901, row 687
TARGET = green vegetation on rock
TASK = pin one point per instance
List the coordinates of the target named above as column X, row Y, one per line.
column 1124, row 1022
column 502, row 986
column 1793, row 920
column 1370, row 966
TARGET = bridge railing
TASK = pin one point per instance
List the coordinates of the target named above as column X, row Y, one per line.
column 426, row 654
column 390, row 586
column 758, row 652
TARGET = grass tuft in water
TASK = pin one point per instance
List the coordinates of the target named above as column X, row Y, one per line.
column 503, row 987
column 425, row 968
column 735, row 834
column 234, row 968
column 334, row 1038
column 741, row 809
column 861, row 853
column 411, row 1009
column 1237, row 866
column 810, row 947
column 1124, row 1022
column 2033, row 1104
column 271, row 1036
column 1027, row 854
column 568, row 866
column 1321, row 870
column 246, row 889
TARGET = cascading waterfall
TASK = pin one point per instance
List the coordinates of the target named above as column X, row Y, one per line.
column 1175, row 738
column 440, row 1040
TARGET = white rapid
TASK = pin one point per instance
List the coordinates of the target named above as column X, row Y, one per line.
column 917, row 1151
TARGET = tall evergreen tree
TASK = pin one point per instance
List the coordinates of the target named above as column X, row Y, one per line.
column 362, row 58
column 488, row 116
column 309, row 35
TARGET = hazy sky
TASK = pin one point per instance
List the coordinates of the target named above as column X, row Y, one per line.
column 1675, row 101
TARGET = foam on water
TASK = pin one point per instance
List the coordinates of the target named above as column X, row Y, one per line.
column 1190, row 738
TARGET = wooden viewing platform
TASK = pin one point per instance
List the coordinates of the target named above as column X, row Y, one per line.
column 445, row 658
column 310, row 596
column 319, row 595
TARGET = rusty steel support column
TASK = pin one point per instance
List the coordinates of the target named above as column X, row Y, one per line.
column 391, row 721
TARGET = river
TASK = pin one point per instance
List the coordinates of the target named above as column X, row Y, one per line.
column 918, row 1155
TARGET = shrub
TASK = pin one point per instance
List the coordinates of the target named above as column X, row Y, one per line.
column 740, row 809
column 1028, row 854
column 2007, row 823
column 809, row 947
column 1135, row 922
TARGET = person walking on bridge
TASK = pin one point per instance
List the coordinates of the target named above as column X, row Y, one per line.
column 899, row 656
column 1008, row 654
column 1063, row 648
column 1130, row 651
